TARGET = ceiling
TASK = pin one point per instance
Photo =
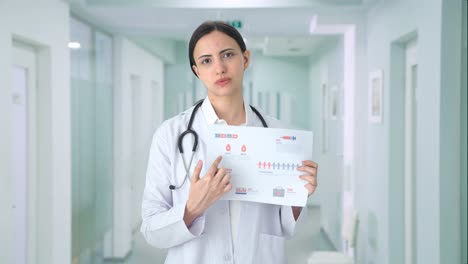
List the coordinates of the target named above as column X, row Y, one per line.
column 275, row 27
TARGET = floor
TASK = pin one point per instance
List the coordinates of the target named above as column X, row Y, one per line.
column 307, row 239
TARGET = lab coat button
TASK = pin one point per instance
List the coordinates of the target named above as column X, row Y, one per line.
column 227, row 257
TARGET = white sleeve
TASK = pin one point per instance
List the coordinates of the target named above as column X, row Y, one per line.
column 163, row 225
column 288, row 224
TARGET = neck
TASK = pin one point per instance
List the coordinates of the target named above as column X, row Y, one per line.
column 230, row 109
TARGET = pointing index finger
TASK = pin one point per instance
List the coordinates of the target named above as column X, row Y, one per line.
column 214, row 166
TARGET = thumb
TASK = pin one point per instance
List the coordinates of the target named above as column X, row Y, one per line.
column 196, row 172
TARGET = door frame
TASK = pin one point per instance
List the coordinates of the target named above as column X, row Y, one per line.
column 396, row 213
column 410, row 151
column 25, row 56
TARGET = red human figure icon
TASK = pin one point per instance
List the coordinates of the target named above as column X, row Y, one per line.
column 269, row 165
column 259, row 164
column 264, row 164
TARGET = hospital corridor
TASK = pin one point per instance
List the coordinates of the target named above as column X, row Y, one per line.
column 87, row 86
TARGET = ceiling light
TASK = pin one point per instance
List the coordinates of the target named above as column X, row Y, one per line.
column 74, row 45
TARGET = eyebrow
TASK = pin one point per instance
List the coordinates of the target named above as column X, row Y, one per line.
column 221, row 52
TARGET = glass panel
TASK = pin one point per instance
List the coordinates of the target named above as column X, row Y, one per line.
column 103, row 133
column 92, row 140
column 82, row 138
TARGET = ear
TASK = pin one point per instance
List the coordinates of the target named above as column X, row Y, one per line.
column 195, row 69
column 246, row 59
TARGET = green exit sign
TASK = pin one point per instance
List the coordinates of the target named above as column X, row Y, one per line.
column 235, row 23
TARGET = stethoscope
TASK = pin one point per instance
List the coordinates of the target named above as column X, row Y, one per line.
column 189, row 130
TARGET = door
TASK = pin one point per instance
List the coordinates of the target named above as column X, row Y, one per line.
column 411, row 73
column 156, row 107
column 23, row 90
column 138, row 158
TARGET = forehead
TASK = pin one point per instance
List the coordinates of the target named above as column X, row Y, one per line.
column 214, row 42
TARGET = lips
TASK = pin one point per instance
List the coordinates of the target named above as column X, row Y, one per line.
column 222, row 81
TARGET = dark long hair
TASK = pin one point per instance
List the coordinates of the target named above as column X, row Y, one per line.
column 208, row 27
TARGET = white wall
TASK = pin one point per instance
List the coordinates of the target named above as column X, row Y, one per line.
column 179, row 80
column 181, row 84
column 129, row 177
column 450, row 86
column 285, row 75
column 327, row 67
column 164, row 49
column 43, row 25
column 388, row 22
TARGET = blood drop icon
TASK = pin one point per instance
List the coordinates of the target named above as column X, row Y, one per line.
column 244, row 148
column 228, row 147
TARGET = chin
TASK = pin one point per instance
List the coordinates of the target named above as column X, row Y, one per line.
column 224, row 91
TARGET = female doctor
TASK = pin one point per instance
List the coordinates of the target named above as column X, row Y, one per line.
column 181, row 209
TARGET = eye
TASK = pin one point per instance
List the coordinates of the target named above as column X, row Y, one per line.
column 205, row 61
column 228, row 54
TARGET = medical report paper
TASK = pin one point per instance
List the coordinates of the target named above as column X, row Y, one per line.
column 262, row 162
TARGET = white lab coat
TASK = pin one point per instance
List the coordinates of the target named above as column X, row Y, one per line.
column 262, row 227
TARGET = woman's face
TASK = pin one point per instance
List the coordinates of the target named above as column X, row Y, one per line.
column 220, row 64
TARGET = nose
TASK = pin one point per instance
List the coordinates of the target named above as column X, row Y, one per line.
column 220, row 67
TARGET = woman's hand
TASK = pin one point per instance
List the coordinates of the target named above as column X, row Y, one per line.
column 204, row 192
column 310, row 175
